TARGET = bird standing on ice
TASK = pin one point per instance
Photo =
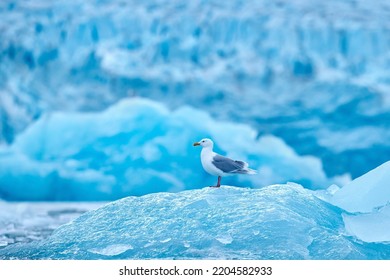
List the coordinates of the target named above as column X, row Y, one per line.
column 218, row 165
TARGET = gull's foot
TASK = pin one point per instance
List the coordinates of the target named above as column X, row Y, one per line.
column 214, row 186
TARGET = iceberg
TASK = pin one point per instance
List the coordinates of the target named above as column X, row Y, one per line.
column 366, row 193
column 369, row 227
column 274, row 222
column 135, row 147
column 367, row 202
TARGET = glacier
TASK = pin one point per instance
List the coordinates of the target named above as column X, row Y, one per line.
column 139, row 146
column 314, row 74
column 275, row 222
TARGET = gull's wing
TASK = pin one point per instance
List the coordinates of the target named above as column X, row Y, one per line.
column 228, row 165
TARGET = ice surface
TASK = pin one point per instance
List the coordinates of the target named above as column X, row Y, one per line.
column 364, row 194
column 367, row 198
column 314, row 74
column 112, row 250
column 135, row 147
column 275, row 222
column 371, row 227
column 25, row 222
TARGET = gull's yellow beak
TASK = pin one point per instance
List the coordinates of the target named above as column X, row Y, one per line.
column 196, row 144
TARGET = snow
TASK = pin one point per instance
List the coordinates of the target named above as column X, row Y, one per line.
column 136, row 147
column 275, row 222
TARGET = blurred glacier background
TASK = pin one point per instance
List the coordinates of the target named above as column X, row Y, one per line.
column 312, row 76
column 102, row 99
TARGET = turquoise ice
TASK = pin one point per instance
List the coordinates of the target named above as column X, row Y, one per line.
column 276, row 222
column 136, row 147
column 314, row 74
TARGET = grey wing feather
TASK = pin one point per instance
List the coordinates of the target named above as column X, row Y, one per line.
column 228, row 165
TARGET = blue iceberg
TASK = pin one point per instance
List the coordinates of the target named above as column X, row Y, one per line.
column 136, row 147
column 275, row 222
column 367, row 202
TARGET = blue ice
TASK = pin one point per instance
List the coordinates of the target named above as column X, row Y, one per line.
column 275, row 222
column 135, row 147
column 315, row 75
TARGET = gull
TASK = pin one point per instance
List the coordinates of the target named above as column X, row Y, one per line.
column 218, row 165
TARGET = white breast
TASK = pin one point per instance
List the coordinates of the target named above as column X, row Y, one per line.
column 206, row 157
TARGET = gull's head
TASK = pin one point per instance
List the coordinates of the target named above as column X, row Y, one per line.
column 205, row 142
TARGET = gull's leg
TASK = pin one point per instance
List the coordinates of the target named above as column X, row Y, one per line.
column 218, row 184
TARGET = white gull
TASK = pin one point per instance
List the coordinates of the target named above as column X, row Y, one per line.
column 218, row 165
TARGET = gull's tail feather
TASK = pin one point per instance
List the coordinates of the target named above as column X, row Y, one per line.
column 250, row 171
column 244, row 170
